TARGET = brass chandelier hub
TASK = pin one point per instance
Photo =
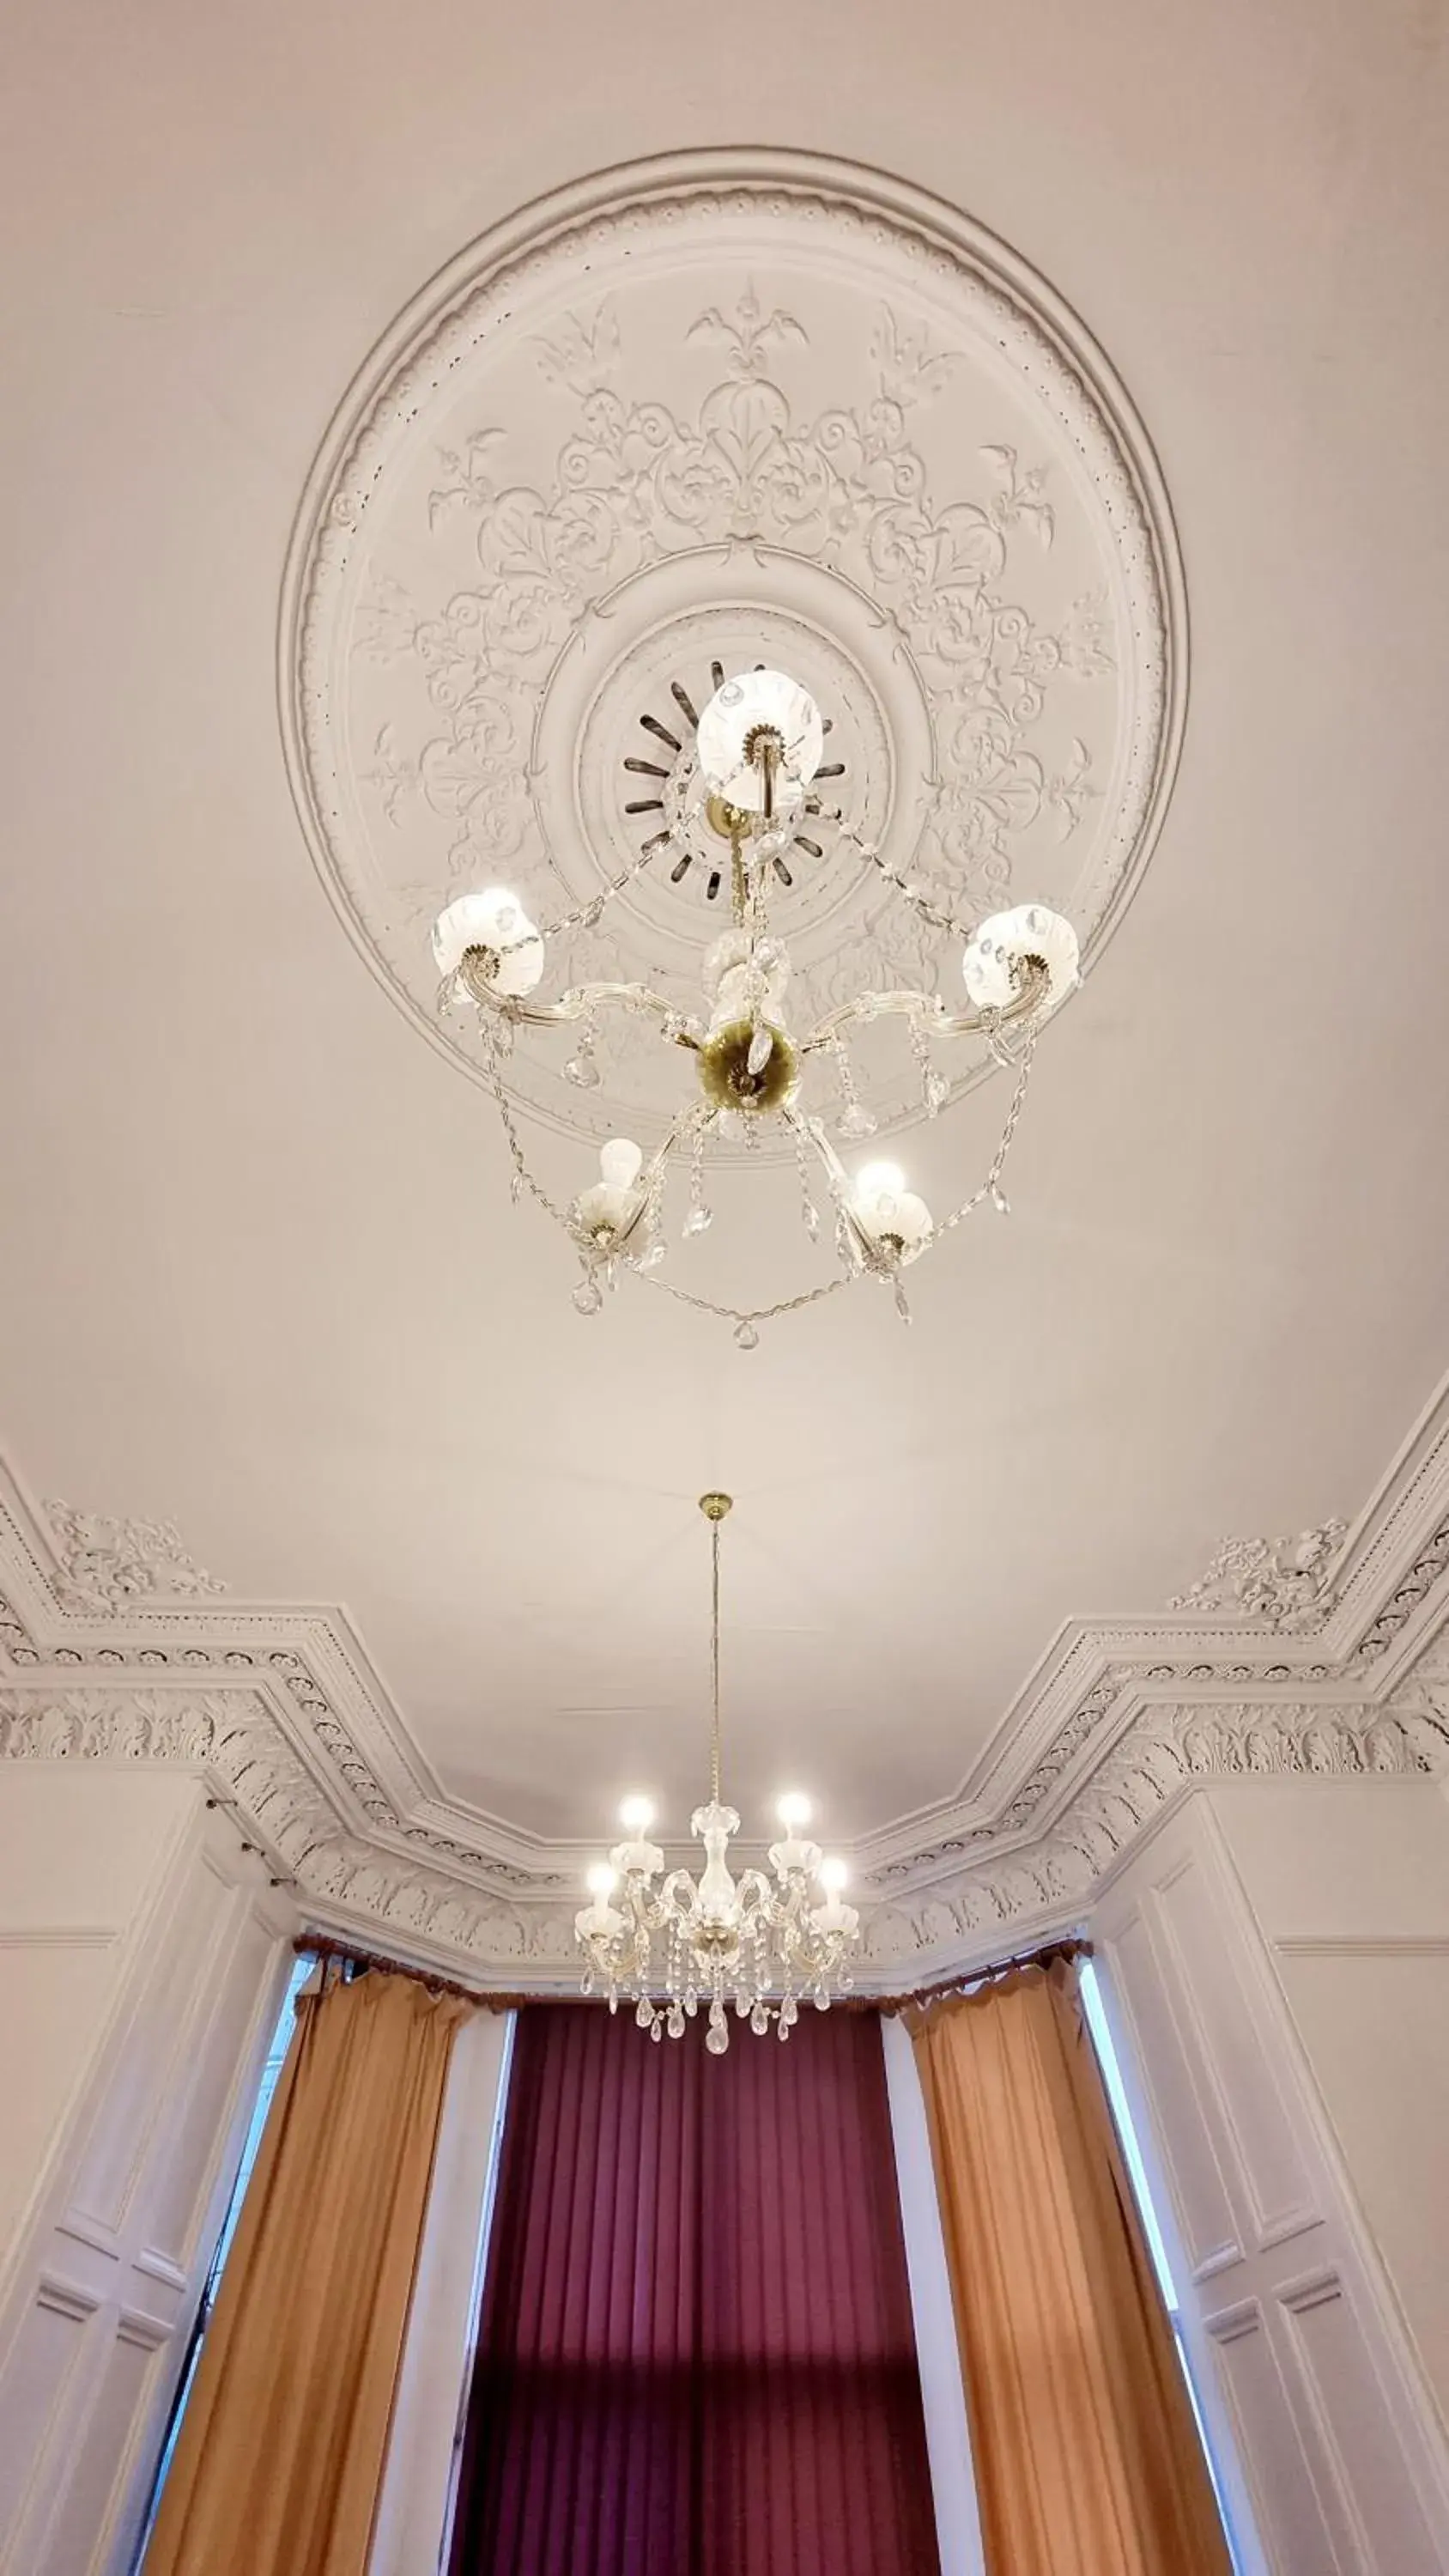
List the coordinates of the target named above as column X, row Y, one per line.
column 725, row 1074
column 728, row 822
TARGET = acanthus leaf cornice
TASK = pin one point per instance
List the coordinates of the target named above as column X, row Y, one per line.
column 279, row 1710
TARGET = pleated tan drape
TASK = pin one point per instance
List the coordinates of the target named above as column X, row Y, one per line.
column 281, row 2451
column 1086, row 2455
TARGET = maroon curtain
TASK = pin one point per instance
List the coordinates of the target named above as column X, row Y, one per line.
column 696, row 2355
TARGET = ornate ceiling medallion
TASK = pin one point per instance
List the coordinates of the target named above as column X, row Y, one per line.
column 726, row 410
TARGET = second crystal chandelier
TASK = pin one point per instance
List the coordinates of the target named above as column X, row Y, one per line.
column 672, row 1943
column 758, row 746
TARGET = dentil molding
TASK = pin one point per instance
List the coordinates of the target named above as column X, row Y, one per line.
column 115, row 1648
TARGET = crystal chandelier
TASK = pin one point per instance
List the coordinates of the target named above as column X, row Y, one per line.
column 748, row 781
column 757, row 1941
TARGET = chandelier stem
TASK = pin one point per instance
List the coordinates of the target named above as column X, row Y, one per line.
column 714, row 1508
column 714, row 1663
column 739, row 883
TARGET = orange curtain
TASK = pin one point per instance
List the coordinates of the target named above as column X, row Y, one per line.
column 280, row 2457
column 1086, row 2455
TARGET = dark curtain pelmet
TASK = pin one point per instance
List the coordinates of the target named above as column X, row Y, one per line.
column 696, row 2354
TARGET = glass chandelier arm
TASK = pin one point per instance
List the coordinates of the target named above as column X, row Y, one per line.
column 675, row 1900
column 651, row 1176
column 864, row 1251
column 758, row 1896
column 931, row 1014
column 576, row 1004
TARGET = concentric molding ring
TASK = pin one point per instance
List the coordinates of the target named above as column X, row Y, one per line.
column 1058, row 717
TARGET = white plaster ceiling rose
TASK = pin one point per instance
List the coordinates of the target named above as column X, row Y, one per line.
column 725, row 410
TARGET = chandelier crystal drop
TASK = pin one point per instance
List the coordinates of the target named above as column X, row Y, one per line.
column 674, row 1944
column 749, row 782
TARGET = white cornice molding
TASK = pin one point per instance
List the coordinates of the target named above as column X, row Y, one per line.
column 281, row 1712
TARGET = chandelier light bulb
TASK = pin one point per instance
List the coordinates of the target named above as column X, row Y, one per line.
column 877, row 1183
column 1010, row 947
column 793, row 1810
column 897, row 1224
column 601, row 1880
column 496, row 922
column 833, row 1876
column 742, row 711
column 620, row 1162
column 636, row 1815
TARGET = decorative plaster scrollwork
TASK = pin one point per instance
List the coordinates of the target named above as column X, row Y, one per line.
column 905, row 455
column 635, row 481
column 109, row 1563
column 1166, row 1752
column 1286, row 1582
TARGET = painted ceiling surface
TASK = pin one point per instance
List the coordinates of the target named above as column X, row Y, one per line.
column 356, row 518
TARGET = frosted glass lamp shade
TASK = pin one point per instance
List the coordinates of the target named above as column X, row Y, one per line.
column 609, row 1212
column 732, row 721
column 620, row 1163
column 1005, row 942
column 494, row 919
column 891, row 1214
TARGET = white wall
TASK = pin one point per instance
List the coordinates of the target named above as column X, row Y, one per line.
column 78, row 1852
column 142, row 1956
column 1290, row 2311
column 1350, row 1887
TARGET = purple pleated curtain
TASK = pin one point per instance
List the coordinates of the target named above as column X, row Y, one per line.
column 696, row 2355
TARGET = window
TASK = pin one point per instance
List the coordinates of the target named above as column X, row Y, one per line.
column 276, row 2058
column 1108, row 2060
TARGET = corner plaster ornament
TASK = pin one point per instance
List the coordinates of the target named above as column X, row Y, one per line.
column 1286, row 1582
column 600, row 457
column 111, row 1564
